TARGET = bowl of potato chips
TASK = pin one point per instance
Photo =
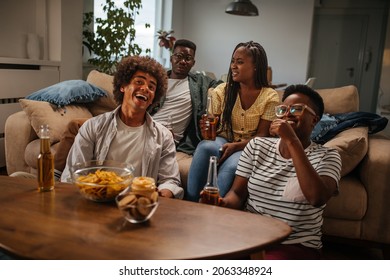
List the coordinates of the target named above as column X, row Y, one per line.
column 102, row 181
column 139, row 201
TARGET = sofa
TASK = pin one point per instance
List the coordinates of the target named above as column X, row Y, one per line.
column 361, row 211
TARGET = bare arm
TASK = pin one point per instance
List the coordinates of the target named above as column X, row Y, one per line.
column 316, row 189
column 238, row 194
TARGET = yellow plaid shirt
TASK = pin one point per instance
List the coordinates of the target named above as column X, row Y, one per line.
column 245, row 122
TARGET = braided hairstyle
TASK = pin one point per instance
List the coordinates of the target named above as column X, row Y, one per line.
column 232, row 88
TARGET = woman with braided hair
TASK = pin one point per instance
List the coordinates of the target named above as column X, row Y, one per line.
column 245, row 106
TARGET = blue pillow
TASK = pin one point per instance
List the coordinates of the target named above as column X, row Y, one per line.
column 67, row 92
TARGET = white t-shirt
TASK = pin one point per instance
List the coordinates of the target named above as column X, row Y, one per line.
column 274, row 190
column 178, row 105
column 128, row 145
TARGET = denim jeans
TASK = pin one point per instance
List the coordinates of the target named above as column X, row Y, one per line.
column 197, row 176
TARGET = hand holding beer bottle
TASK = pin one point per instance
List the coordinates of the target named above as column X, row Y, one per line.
column 210, row 192
column 208, row 122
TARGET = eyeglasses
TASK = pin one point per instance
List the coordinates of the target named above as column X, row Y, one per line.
column 294, row 109
column 180, row 57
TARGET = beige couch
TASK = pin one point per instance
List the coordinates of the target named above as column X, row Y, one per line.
column 361, row 211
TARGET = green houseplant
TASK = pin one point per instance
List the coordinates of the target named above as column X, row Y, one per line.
column 166, row 39
column 114, row 36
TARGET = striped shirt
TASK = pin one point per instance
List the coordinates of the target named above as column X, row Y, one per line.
column 274, row 190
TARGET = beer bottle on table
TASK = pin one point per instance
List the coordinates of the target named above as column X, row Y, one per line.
column 210, row 193
column 210, row 121
column 45, row 161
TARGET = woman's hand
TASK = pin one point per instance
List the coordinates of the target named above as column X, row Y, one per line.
column 226, row 150
column 204, row 125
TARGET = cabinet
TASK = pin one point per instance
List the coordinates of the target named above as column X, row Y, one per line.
column 19, row 78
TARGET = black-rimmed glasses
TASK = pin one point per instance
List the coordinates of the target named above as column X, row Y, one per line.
column 180, row 57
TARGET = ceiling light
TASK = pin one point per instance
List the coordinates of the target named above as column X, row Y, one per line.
column 242, row 8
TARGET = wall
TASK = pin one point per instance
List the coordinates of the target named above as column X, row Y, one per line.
column 71, row 41
column 283, row 28
column 384, row 86
column 58, row 24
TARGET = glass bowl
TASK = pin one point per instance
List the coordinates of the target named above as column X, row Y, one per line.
column 138, row 203
column 102, row 181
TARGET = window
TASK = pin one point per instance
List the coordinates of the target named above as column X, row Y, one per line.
column 145, row 37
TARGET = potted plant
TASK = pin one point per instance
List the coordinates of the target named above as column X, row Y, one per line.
column 114, row 36
column 166, row 39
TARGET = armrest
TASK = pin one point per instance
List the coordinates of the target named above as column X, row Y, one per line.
column 374, row 172
column 18, row 133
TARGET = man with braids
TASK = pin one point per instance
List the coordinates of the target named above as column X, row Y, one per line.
column 245, row 105
column 128, row 133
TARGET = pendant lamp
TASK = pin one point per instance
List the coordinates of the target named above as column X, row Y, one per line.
column 242, row 8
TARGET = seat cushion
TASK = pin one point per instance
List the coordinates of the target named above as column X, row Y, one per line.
column 350, row 203
column 184, row 162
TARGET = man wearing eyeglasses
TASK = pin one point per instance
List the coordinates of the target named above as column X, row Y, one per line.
column 289, row 177
column 180, row 109
column 186, row 97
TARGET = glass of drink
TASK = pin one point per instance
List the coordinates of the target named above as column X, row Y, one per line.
column 210, row 121
column 210, row 127
column 210, row 193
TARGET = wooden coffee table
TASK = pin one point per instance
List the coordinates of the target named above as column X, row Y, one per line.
column 63, row 225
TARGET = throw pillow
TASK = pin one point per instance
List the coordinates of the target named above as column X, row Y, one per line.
column 105, row 103
column 67, row 92
column 41, row 112
column 352, row 145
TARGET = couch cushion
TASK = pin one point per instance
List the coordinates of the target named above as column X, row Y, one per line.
column 350, row 203
column 105, row 103
column 337, row 100
column 340, row 100
column 32, row 151
column 41, row 112
column 184, row 161
column 352, row 145
column 67, row 92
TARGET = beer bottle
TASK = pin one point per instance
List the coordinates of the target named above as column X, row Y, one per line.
column 45, row 161
column 210, row 120
column 210, row 192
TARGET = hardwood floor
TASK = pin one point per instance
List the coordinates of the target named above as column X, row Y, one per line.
column 332, row 250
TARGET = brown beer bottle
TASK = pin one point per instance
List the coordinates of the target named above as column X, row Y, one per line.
column 210, row 121
column 45, row 161
column 210, row 194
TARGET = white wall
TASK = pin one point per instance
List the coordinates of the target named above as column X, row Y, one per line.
column 283, row 28
column 71, row 39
